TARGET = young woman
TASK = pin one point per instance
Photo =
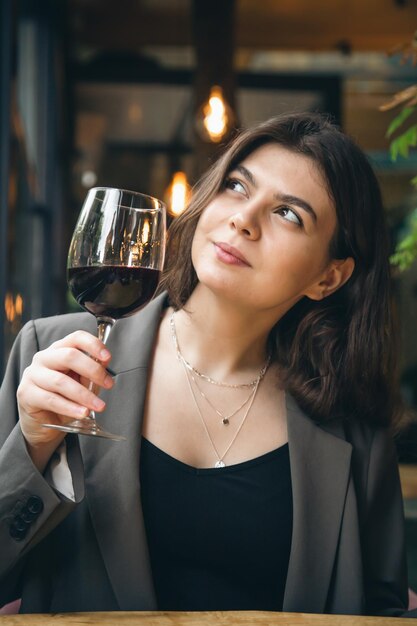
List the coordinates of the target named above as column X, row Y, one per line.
column 256, row 394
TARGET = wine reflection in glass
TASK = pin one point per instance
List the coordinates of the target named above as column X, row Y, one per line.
column 114, row 263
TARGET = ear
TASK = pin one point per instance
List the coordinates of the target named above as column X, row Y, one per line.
column 335, row 275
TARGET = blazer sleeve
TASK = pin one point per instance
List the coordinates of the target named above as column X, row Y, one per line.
column 385, row 571
column 29, row 507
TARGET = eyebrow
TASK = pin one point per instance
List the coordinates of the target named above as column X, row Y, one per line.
column 280, row 197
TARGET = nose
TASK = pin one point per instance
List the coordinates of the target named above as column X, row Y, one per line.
column 246, row 223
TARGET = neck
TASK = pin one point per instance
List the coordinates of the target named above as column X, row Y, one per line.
column 221, row 339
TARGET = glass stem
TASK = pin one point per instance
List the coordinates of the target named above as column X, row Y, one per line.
column 104, row 326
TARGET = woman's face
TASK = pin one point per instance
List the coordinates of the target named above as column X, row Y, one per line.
column 263, row 241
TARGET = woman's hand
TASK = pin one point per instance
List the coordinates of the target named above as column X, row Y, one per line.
column 54, row 390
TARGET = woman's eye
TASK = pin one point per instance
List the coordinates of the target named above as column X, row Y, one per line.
column 290, row 215
column 235, row 185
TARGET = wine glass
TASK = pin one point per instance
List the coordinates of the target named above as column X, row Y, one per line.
column 114, row 264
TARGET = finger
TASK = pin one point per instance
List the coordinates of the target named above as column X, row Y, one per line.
column 44, row 404
column 87, row 342
column 58, row 383
column 65, row 359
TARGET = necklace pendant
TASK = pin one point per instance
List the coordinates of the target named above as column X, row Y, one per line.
column 225, row 421
column 219, row 464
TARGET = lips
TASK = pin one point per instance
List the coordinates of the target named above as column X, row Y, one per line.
column 230, row 254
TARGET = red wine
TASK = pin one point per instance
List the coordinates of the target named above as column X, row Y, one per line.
column 112, row 290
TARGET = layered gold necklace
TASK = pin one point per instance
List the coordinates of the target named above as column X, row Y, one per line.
column 192, row 374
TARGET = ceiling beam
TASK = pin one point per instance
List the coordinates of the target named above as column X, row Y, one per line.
column 374, row 25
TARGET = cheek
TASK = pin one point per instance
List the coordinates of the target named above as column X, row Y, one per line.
column 294, row 265
column 194, row 249
column 204, row 229
column 197, row 246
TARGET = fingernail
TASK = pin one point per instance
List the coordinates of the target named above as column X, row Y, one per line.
column 98, row 404
column 104, row 354
column 108, row 382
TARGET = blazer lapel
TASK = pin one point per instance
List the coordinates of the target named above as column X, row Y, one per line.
column 320, row 471
column 112, row 468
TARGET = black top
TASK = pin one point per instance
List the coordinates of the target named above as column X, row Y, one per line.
column 219, row 539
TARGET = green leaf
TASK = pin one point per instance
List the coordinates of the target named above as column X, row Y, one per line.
column 399, row 120
column 402, row 260
column 402, row 144
column 406, row 250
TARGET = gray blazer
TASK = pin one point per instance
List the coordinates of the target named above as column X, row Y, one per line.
column 347, row 552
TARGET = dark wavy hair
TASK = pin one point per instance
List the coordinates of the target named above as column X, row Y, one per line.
column 337, row 355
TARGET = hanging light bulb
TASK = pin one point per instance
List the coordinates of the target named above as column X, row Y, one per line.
column 215, row 118
column 145, row 232
column 178, row 193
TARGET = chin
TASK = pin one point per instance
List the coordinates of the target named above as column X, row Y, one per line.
column 215, row 283
column 222, row 280
column 223, row 287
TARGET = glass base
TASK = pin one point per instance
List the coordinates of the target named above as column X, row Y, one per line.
column 85, row 426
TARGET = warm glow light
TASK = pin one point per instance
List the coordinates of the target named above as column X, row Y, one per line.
column 145, row 232
column 178, row 194
column 13, row 306
column 9, row 307
column 19, row 305
column 215, row 117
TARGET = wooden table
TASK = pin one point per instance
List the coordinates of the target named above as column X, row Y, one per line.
column 212, row 618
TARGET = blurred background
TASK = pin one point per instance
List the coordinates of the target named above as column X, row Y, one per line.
column 98, row 92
